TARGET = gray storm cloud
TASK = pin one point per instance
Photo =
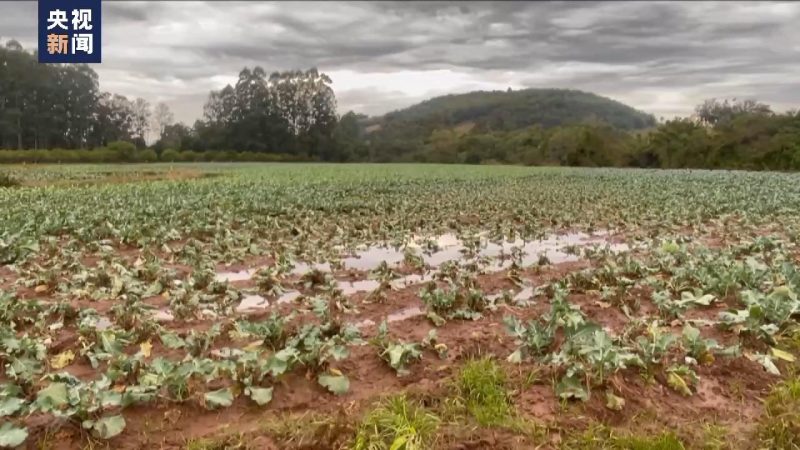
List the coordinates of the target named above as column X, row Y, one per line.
column 662, row 57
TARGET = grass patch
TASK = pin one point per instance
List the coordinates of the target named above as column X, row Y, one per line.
column 601, row 437
column 780, row 425
column 663, row 441
column 397, row 423
column 481, row 385
column 309, row 430
column 233, row 442
column 716, row 437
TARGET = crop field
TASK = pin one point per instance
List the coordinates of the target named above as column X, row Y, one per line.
column 313, row 306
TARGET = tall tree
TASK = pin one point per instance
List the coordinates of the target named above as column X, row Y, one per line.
column 714, row 112
column 140, row 121
column 162, row 118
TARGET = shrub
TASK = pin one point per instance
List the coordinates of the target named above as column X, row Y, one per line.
column 170, row 155
column 8, row 180
column 148, row 155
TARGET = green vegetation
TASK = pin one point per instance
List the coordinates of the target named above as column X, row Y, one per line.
column 742, row 135
column 227, row 443
column 7, row 180
column 546, row 107
column 397, row 423
column 780, row 426
column 600, row 437
column 481, row 385
column 291, row 116
column 453, row 128
column 116, row 293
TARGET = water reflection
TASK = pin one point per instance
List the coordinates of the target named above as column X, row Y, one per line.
column 436, row 252
column 449, row 247
column 403, row 314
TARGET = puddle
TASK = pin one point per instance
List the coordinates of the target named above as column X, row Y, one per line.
column 289, row 297
column 373, row 257
column 163, row 315
column 403, row 314
column 524, row 295
column 351, row 287
column 444, row 248
column 301, row 268
column 243, row 275
column 252, row 302
column 365, row 323
column 449, row 247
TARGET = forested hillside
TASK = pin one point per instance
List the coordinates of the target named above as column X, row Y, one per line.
column 509, row 110
column 404, row 131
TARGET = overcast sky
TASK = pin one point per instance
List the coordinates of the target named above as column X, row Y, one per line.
column 659, row 57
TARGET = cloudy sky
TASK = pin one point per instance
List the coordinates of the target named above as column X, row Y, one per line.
column 659, row 57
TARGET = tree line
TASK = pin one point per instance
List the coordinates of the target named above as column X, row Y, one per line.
column 56, row 113
column 728, row 134
column 60, row 106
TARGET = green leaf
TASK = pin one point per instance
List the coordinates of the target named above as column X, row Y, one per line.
column 571, row 387
column 10, row 405
column 11, row 436
column 171, row 340
column 766, row 362
column 704, row 300
column 261, row 396
column 339, row 352
column 436, row 319
column 338, row 384
column 219, row 398
column 690, row 333
column 383, row 329
column 399, row 442
column 677, row 383
column 108, row 427
column 516, row 357
column 396, row 355
column 278, row 363
column 670, row 247
column 52, row 397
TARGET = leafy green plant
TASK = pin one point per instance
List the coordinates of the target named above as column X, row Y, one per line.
column 764, row 315
column 534, row 337
column 682, row 378
column 675, row 308
column 397, row 354
column 654, row 345
column 701, row 350
column 268, row 280
column 272, row 331
column 457, row 302
column 431, row 341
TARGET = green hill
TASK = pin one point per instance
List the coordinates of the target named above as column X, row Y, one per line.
column 483, row 111
column 509, row 110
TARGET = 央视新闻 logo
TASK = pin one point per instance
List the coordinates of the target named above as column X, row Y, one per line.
column 69, row 31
